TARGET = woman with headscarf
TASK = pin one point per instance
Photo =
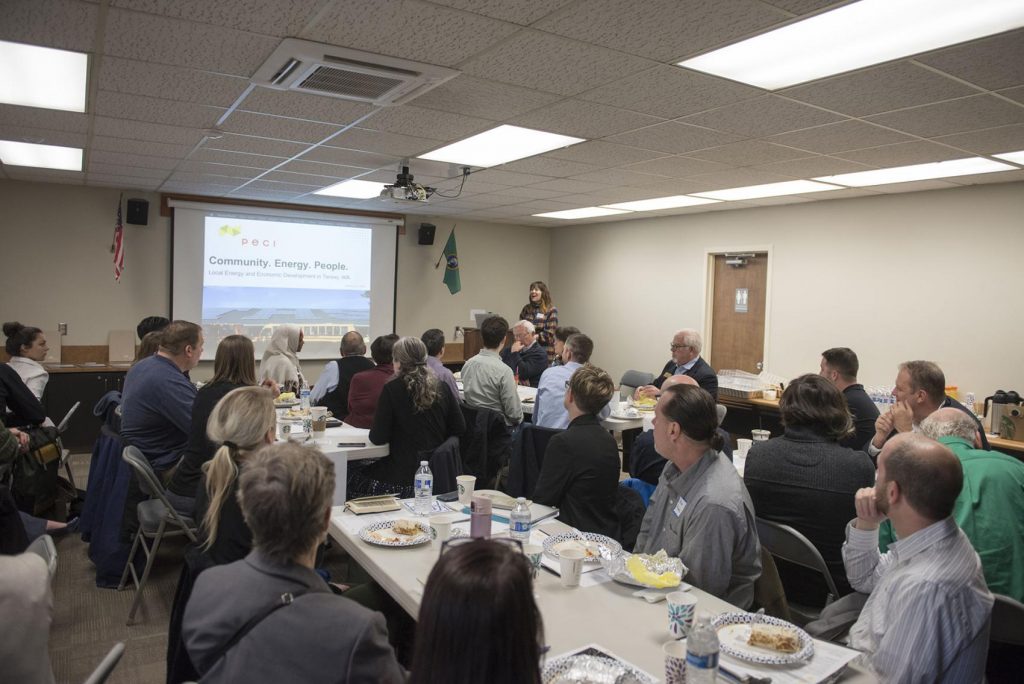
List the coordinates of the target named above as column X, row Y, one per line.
column 280, row 362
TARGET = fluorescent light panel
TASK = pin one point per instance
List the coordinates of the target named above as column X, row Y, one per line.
column 798, row 187
column 857, row 35
column 500, row 145
column 1015, row 157
column 40, row 156
column 660, row 203
column 585, row 212
column 357, row 189
column 916, row 172
column 33, row 76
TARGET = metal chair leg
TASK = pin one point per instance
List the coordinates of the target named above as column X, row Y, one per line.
column 150, row 556
column 131, row 559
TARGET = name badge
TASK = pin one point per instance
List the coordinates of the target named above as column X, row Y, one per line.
column 680, row 505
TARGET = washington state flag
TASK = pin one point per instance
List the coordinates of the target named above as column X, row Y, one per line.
column 451, row 265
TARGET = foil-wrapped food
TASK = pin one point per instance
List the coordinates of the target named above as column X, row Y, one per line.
column 659, row 570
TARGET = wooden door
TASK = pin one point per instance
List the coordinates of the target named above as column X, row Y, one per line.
column 738, row 306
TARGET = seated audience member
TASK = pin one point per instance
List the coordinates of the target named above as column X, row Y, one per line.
column 331, row 389
column 645, row 462
column 365, row 388
column 562, row 333
column 234, row 366
column 415, row 415
column 990, row 506
column 157, row 399
column 238, row 628
column 686, row 360
column 150, row 324
column 280, row 362
column 927, row 616
column 580, row 473
column 486, row 381
column 148, row 346
column 701, row 511
column 27, row 348
column 26, row 604
column 478, row 621
column 839, row 366
column 806, row 480
column 18, row 406
column 920, row 390
column 525, row 356
column 549, row 409
column 17, row 528
column 433, row 340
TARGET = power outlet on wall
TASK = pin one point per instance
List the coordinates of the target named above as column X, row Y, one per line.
column 62, row 328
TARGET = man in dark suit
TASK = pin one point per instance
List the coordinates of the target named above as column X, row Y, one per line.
column 525, row 356
column 331, row 389
column 580, row 473
column 686, row 360
column 839, row 366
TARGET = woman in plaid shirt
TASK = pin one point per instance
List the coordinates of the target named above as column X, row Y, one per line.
column 544, row 316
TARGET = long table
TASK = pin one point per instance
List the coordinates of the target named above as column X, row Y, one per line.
column 605, row 613
column 528, row 398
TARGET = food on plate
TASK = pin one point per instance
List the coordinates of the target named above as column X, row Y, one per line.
column 643, row 403
column 409, row 528
column 399, row 532
column 637, row 564
column 286, row 396
column 775, row 638
column 296, row 413
column 589, row 549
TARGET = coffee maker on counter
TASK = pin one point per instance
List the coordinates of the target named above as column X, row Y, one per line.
column 1002, row 404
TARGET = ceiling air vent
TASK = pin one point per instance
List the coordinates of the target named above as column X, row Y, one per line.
column 347, row 74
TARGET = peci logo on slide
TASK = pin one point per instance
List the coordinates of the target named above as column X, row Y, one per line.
column 236, row 231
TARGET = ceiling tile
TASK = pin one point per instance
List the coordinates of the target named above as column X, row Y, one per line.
column 44, row 175
column 277, row 18
column 305, row 106
column 248, row 144
column 139, row 147
column 735, row 178
column 677, row 167
column 988, row 178
column 329, row 171
column 762, row 116
column 279, row 186
column 990, row 141
column 62, row 24
column 128, row 182
column 547, row 166
column 955, row 116
column 265, row 194
column 522, row 12
column 347, row 157
column 564, row 185
column 392, row 144
column 255, row 161
column 139, row 130
column 1015, row 94
column 547, row 62
column 903, row 154
column 583, row 119
column 915, row 186
column 880, row 89
column 49, row 119
column 407, row 28
column 220, row 170
column 196, row 188
column 277, row 127
column 669, row 92
column 748, row 153
column 510, row 178
column 151, row 38
column 426, row 123
column 519, row 194
column 217, row 179
column 847, row 135
column 485, row 99
column 121, row 159
column 993, row 63
column 153, row 110
column 601, row 153
column 801, row 7
column 169, row 82
column 126, row 171
column 619, row 178
column 673, row 138
column 663, row 30
column 812, row 167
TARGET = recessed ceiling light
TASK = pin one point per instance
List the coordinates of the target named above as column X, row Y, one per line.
column 1015, row 157
column 797, row 187
column 585, row 212
column 856, row 35
column 660, row 203
column 915, row 172
column 358, row 189
column 499, row 146
column 40, row 156
column 33, row 76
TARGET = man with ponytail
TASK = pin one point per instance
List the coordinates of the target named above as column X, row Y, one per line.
column 701, row 511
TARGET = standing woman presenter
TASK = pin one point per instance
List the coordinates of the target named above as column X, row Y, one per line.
column 542, row 312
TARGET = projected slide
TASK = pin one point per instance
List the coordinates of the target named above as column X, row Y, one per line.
column 259, row 274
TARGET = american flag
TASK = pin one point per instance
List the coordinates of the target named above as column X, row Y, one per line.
column 118, row 245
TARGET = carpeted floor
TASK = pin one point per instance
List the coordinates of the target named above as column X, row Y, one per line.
column 88, row 621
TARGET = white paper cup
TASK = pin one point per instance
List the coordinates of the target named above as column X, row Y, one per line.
column 681, row 606
column 318, row 412
column 570, row 564
column 466, row 485
column 675, row 662
column 760, row 435
column 533, row 553
column 442, row 526
column 770, row 394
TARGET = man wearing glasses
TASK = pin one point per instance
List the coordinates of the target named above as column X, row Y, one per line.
column 686, row 360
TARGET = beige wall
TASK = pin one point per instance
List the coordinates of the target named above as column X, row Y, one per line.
column 933, row 275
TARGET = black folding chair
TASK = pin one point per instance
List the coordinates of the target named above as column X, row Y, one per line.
column 784, row 542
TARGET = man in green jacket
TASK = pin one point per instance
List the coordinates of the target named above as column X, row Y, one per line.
column 990, row 508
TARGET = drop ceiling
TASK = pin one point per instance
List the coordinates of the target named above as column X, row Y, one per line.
column 164, row 72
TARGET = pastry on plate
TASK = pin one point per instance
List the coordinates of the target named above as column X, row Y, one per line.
column 775, row 638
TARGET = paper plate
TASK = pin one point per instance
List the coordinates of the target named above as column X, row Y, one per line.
column 734, row 631
column 598, row 546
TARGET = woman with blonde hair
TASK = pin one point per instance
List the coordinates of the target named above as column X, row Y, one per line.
column 542, row 312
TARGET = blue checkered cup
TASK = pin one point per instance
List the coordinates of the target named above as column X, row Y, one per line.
column 681, row 606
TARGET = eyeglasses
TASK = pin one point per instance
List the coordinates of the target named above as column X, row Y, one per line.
column 674, row 346
column 515, row 544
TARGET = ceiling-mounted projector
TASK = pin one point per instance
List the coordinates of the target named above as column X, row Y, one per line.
column 405, row 189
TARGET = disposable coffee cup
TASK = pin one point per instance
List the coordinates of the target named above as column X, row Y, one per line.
column 318, row 412
column 442, row 526
column 319, row 427
column 770, row 394
column 675, row 662
column 466, row 484
column 533, row 553
column 743, row 445
column 760, row 435
column 570, row 565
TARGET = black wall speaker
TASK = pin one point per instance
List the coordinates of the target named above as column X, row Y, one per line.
column 138, row 212
column 427, row 233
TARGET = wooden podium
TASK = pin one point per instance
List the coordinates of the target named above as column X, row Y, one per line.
column 472, row 342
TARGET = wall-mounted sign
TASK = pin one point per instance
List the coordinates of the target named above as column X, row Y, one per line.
column 741, row 300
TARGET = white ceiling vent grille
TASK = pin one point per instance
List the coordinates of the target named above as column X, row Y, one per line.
column 348, row 74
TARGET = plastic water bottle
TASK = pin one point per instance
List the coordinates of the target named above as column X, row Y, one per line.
column 519, row 521
column 304, row 394
column 702, row 651
column 423, row 487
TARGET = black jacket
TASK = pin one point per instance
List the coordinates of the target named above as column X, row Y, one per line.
column 864, row 414
column 527, row 363
column 701, row 372
column 337, row 399
column 16, row 397
column 200, row 449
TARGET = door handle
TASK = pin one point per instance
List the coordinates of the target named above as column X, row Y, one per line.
column 759, row 366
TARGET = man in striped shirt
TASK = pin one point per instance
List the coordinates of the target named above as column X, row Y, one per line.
column 927, row 616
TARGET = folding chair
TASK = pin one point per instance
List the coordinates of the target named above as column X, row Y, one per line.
column 1007, row 621
column 632, row 379
column 156, row 515
column 784, row 542
column 44, row 548
column 65, row 454
column 107, row 665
